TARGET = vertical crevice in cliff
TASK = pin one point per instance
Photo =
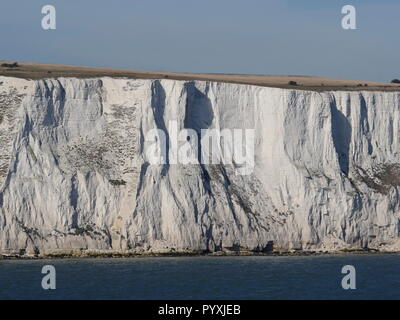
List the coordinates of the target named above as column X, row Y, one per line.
column 143, row 171
column 364, row 122
column 158, row 106
column 341, row 135
column 74, row 194
column 199, row 115
column 55, row 102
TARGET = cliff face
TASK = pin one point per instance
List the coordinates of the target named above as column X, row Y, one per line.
column 75, row 172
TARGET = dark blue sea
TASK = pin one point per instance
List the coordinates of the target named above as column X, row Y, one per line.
column 262, row 277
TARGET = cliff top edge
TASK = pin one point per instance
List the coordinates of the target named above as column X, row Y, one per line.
column 30, row 70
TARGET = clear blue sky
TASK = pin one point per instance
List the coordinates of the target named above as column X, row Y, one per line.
column 300, row 37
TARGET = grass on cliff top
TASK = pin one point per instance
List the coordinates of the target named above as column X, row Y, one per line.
column 41, row 71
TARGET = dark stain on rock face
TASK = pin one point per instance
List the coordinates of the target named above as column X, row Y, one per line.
column 381, row 178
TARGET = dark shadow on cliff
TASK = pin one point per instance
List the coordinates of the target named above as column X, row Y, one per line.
column 50, row 117
column 158, row 107
column 199, row 115
column 74, row 196
column 341, row 134
column 364, row 122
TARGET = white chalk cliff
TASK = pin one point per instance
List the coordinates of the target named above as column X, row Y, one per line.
column 74, row 174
